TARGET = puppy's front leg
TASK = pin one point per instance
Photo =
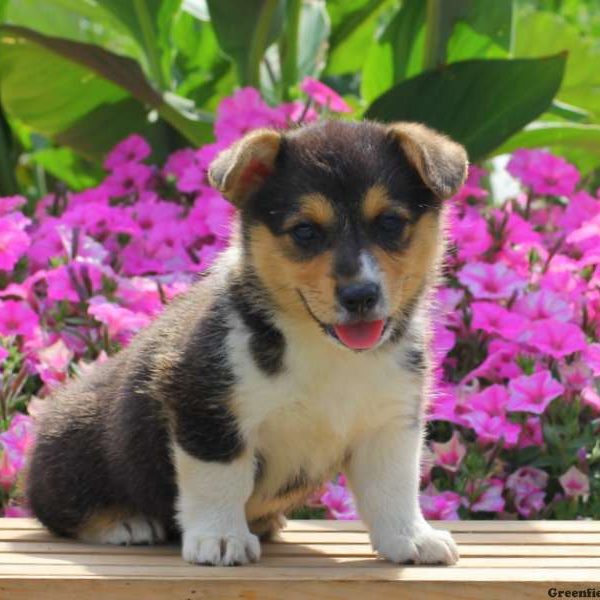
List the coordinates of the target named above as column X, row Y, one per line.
column 211, row 501
column 383, row 472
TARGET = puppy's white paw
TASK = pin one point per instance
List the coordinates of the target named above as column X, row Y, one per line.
column 425, row 546
column 220, row 550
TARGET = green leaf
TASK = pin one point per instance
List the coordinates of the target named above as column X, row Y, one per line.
column 74, row 78
column 398, row 52
column 542, row 33
column 353, row 27
column 65, row 165
column 579, row 143
column 245, row 30
column 312, row 39
column 479, row 103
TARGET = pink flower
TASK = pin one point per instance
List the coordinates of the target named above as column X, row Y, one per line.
column 339, row 502
column 122, row 323
column 132, row 149
column 54, row 361
column 9, row 203
column 471, row 235
column 582, row 207
column 492, row 400
column 490, row 281
column 439, row 505
column 493, row 318
column 128, row 178
column 324, row 95
column 491, row 429
column 499, row 364
column 575, row 483
column 16, row 318
column 14, row 242
column 14, row 511
column 449, row 455
column 471, row 188
column 485, row 496
column 16, row 442
column 3, row 355
column 544, row 304
column 528, row 486
column 531, row 433
column 533, row 393
column 555, row 338
column 544, row 173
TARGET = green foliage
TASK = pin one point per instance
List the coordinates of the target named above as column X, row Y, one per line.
column 479, row 103
column 83, row 75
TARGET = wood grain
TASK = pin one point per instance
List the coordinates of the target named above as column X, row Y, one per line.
column 312, row 559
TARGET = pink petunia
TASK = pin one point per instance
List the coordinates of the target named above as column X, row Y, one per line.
column 531, row 433
column 439, row 505
column 485, row 496
column 339, row 502
column 16, row 442
column 324, row 95
column 14, row 241
column 491, row 429
column 545, row 173
column 472, row 186
column 575, row 483
column 128, row 178
column 10, row 203
column 131, row 150
column 544, row 304
column 490, row 281
column 528, row 485
column 449, row 454
column 533, row 393
column 555, row 338
column 121, row 322
column 17, row 318
column 471, row 235
column 492, row 400
column 493, row 318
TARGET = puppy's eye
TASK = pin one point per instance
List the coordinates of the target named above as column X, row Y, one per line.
column 390, row 224
column 306, row 233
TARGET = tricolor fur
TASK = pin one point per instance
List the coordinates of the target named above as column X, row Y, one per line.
column 302, row 353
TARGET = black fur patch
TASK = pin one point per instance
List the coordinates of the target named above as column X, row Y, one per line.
column 415, row 360
column 198, row 391
column 267, row 343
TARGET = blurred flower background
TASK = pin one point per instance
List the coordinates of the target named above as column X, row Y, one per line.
column 109, row 118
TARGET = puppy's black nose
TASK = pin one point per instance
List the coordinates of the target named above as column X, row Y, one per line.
column 359, row 297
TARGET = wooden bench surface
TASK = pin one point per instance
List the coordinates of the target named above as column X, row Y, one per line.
column 313, row 559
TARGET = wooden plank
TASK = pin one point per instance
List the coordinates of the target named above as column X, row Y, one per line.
column 458, row 526
column 357, row 537
column 516, row 550
column 52, row 589
column 298, row 561
column 258, row 573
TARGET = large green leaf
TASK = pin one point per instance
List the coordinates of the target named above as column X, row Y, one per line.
column 545, row 33
column 65, row 165
column 480, row 103
column 578, row 142
column 353, row 27
column 398, row 52
column 75, row 78
column 245, row 30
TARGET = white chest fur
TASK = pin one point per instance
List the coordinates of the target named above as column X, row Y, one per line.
column 305, row 420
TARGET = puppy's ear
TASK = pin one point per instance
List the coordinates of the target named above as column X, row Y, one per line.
column 441, row 163
column 241, row 169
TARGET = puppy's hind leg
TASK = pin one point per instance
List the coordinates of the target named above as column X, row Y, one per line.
column 117, row 527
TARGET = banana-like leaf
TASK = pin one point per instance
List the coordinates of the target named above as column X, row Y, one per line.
column 480, row 103
column 50, row 83
column 245, row 30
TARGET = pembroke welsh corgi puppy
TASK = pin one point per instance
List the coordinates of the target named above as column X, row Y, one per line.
column 302, row 353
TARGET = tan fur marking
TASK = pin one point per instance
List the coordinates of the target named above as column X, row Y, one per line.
column 406, row 273
column 377, row 201
column 100, row 522
column 313, row 207
column 284, row 277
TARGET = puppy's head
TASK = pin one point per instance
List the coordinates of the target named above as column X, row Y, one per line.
column 342, row 221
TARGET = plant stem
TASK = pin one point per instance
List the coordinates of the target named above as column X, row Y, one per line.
column 440, row 19
column 259, row 44
column 289, row 48
column 150, row 43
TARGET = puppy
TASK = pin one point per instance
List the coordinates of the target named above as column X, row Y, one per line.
column 302, row 353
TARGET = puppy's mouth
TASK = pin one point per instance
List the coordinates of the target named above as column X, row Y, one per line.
column 357, row 335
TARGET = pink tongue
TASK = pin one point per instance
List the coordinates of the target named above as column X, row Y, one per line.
column 360, row 336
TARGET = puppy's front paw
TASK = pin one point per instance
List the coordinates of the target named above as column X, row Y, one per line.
column 220, row 550
column 425, row 546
